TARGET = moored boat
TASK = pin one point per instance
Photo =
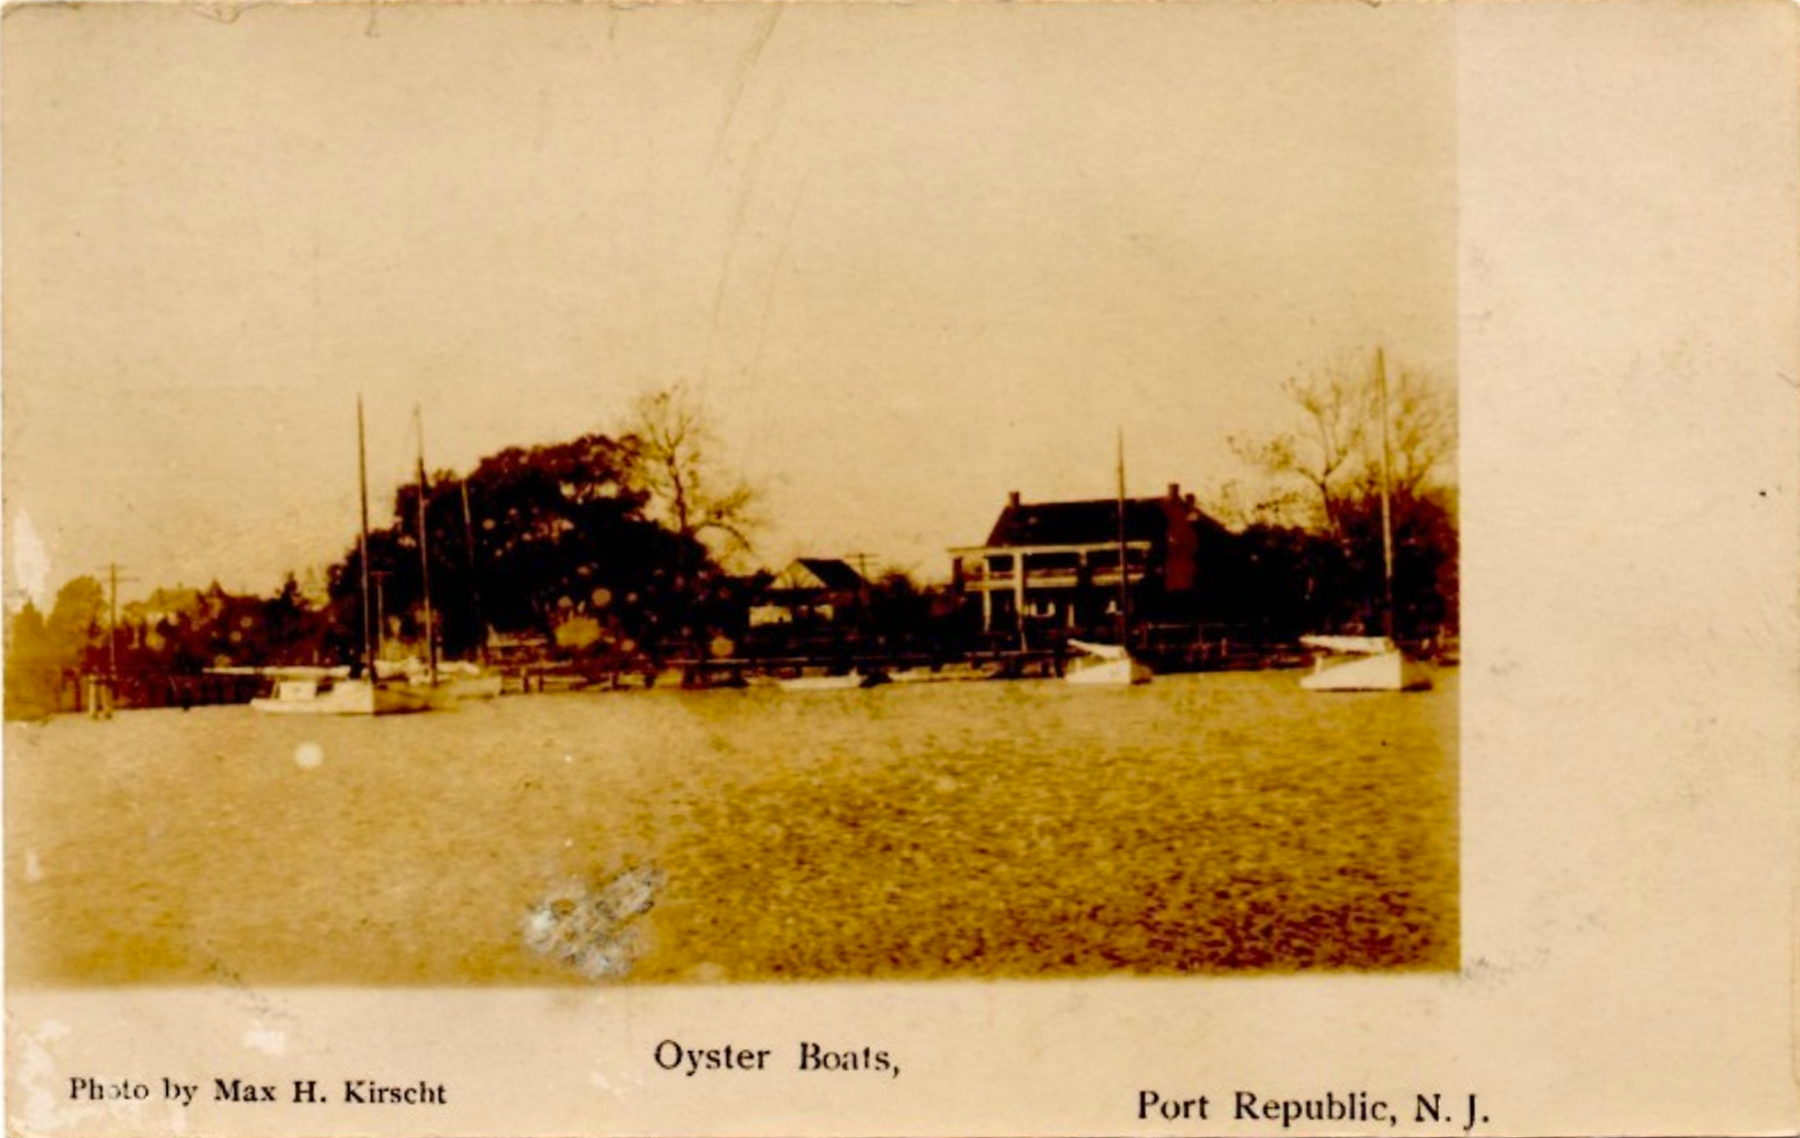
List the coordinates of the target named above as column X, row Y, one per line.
column 849, row 680
column 1369, row 663
column 313, row 691
column 1111, row 665
column 444, row 683
column 333, row 695
column 1361, row 663
column 1104, row 664
column 448, row 684
column 945, row 673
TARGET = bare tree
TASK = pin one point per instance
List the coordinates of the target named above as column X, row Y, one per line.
column 1421, row 431
column 1239, row 504
column 1335, row 447
column 1324, row 449
column 674, row 458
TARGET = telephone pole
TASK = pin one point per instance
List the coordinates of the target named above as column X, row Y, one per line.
column 862, row 580
column 112, row 624
column 112, row 621
column 862, row 564
column 108, row 692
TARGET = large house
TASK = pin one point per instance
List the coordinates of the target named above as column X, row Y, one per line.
column 1056, row 565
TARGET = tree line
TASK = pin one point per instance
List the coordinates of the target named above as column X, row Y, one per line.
column 1307, row 516
column 613, row 547
column 606, row 543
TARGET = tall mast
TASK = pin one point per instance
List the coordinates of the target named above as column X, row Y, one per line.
column 1387, row 525
column 1124, row 592
column 362, row 544
column 425, row 552
column 474, row 582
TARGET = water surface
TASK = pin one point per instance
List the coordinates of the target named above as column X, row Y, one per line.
column 1204, row 823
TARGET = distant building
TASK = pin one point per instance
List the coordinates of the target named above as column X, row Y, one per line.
column 810, row 589
column 1056, row 565
column 165, row 604
column 163, row 609
column 505, row 648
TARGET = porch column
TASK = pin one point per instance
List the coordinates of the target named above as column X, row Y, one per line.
column 1019, row 595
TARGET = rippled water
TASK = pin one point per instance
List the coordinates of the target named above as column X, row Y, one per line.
column 1204, row 823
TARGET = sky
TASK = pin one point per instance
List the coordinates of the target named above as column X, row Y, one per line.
column 911, row 257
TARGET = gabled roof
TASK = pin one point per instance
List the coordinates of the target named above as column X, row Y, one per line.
column 824, row 573
column 1079, row 523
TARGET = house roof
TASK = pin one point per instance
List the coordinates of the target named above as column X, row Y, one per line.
column 827, row 572
column 1079, row 523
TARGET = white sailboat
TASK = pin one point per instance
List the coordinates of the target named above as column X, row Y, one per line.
column 316, row 692
column 1369, row 663
column 331, row 695
column 1362, row 663
column 1110, row 665
column 458, row 682
column 1106, row 664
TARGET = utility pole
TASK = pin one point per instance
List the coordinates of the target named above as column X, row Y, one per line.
column 862, row 567
column 112, row 625
column 111, row 687
column 862, row 585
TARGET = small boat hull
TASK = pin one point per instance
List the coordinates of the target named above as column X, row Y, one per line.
column 833, row 683
column 453, row 689
column 1118, row 670
column 341, row 697
column 1390, row 670
column 947, row 674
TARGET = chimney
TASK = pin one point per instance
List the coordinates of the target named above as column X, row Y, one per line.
column 1012, row 500
column 1174, row 491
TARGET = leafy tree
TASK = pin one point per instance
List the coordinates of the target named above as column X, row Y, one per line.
column 184, row 644
column 1426, row 548
column 77, row 624
column 289, row 631
column 33, row 667
column 556, row 536
column 893, row 608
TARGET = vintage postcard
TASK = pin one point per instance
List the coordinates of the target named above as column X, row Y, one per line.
column 876, row 568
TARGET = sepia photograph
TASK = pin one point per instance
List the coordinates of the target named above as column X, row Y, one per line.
column 830, row 519
column 953, row 509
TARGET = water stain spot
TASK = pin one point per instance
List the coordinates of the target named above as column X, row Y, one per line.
column 309, row 756
column 593, row 927
column 707, row 972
